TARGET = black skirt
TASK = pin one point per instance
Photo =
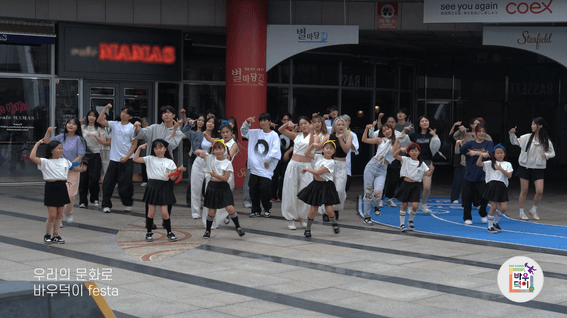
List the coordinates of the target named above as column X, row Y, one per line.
column 218, row 195
column 408, row 191
column 319, row 193
column 159, row 192
column 56, row 194
column 496, row 191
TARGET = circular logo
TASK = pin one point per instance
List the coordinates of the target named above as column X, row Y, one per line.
column 520, row 279
column 387, row 11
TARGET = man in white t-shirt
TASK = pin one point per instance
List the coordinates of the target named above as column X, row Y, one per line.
column 263, row 156
column 121, row 167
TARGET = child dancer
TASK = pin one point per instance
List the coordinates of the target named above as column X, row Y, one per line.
column 159, row 191
column 322, row 190
column 413, row 170
column 54, row 168
column 497, row 172
column 218, row 194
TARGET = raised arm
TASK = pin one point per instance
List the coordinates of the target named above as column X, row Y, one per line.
column 366, row 139
column 102, row 116
column 513, row 139
column 287, row 133
column 35, row 159
column 345, row 145
column 479, row 161
column 245, row 128
column 47, row 137
column 137, row 158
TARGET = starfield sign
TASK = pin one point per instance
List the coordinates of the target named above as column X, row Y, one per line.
column 473, row 11
column 87, row 51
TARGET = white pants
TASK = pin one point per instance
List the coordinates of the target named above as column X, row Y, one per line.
column 295, row 181
column 340, row 179
column 197, row 177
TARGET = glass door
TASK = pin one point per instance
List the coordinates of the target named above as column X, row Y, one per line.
column 99, row 94
column 138, row 95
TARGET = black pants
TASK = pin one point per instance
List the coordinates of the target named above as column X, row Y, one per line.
column 392, row 179
column 470, row 191
column 188, row 192
column 278, row 178
column 260, row 190
column 89, row 179
column 120, row 173
column 458, row 179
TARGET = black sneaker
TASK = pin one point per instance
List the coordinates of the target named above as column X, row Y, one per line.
column 307, row 233
column 149, row 237
column 377, row 211
column 47, row 238
column 57, row 239
column 154, row 226
column 368, row 221
column 497, row 227
column 171, row 236
column 326, row 218
column 403, row 228
column 336, row 228
column 254, row 214
column 336, row 215
column 267, row 213
column 492, row 230
column 410, row 225
column 207, row 234
column 240, row 231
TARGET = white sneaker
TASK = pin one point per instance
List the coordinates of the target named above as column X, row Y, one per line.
column 484, row 219
column 534, row 215
column 391, row 203
column 381, row 204
column 291, row 225
column 64, row 218
column 455, row 201
column 247, row 205
column 70, row 219
column 424, row 208
column 468, row 222
column 106, row 210
column 82, row 206
column 304, row 224
column 143, row 184
column 128, row 208
column 96, row 203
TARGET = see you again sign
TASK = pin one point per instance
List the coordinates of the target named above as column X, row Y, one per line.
column 497, row 11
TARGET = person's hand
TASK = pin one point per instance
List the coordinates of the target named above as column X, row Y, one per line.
column 203, row 155
column 124, row 159
column 144, row 146
column 50, row 129
column 432, row 132
column 370, row 126
column 137, row 125
column 40, row 141
column 315, row 114
column 266, row 165
column 304, row 170
column 181, row 168
column 409, row 127
column 177, row 123
column 380, row 115
column 463, row 128
column 457, row 123
column 326, row 116
column 543, row 155
column 273, row 125
column 82, row 120
column 213, row 174
column 513, row 130
column 108, row 106
column 250, row 120
column 459, row 142
column 431, row 167
column 404, row 150
column 485, row 154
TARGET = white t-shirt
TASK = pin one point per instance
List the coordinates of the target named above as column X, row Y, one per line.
column 262, row 148
column 348, row 159
column 93, row 145
column 159, row 168
column 496, row 175
column 54, row 169
column 228, row 146
column 219, row 167
column 320, row 162
column 412, row 169
column 122, row 136
column 385, row 150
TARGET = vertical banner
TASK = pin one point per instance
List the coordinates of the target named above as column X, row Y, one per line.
column 246, row 90
column 387, row 15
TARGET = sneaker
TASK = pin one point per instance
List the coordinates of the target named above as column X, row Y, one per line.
column 247, row 204
column 410, row 225
column 497, row 227
column 484, row 219
column 326, row 218
column 70, row 219
column 149, row 237
column 57, row 239
column 390, row 203
column 196, row 216
column 227, row 220
column 47, row 238
column 106, row 210
column 128, row 208
column 380, row 204
column 336, row 228
column 154, row 226
column 304, row 224
column 254, row 214
column 367, row 221
column 424, row 208
column 171, row 236
column 307, row 233
column 240, row 231
column 534, row 215
column 291, row 225
column 143, row 184
column 96, row 203
column 492, row 230
column 524, row 217
column 377, row 211
column 207, row 234
column 455, row 202
column 273, row 199
column 468, row 222
column 82, row 206
column 267, row 213
column 63, row 218
column 402, row 228
column 336, row 215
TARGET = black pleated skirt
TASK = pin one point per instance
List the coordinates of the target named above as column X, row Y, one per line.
column 319, row 193
column 496, row 191
column 159, row 192
column 408, row 191
column 56, row 194
column 218, row 195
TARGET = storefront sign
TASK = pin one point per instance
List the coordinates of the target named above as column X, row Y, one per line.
column 88, row 51
column 15, row 117
column 547, row 41
column 249, row 76
column 496, row 11
column 26, row 39
column 284, row 41
column 387, row 15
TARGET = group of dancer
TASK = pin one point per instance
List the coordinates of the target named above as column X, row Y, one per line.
column 315, row 179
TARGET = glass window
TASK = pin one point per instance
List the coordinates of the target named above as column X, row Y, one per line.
column 168, row 94
column 198, row 99
column 279, row 74
column 386, row 76
column 278, row 99
column 102, row 91
column 387, row 102
column 205, row 64
column 66, row 102
column 315, row 72
column 355, row 75
column 407, row 77
column 358, row 105
column 32, row 59
column 307, row 101
column 24, row 118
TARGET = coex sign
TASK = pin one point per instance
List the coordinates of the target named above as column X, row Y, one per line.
column 88, row 51
column 520, row 11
